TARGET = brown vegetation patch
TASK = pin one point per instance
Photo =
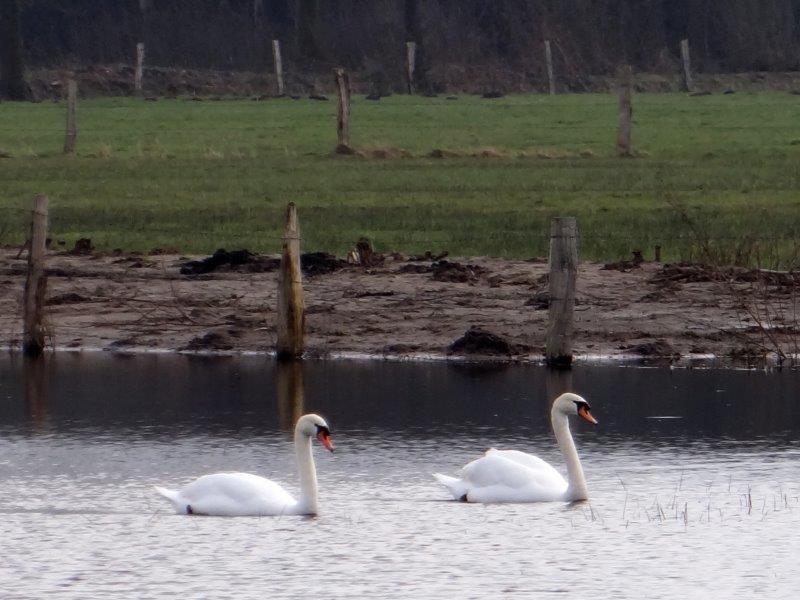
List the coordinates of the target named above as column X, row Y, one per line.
column 480, row 341
column 253, row 263
column 412, row 268
column 82, row 246
column 658, row 348
column 210, row 341
column 445, row 270
column 320, row 263
column 442, row 153
column 488, row 152
column 695, row 272
column 428, row 255
column 384, row 152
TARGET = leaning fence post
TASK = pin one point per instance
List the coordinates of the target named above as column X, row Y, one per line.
column 36, row 283
column 548, row 57
column 563, row 273
column 687, row 66
column 276, row 57
column 411, row 65
column 343, row 111
column 138, row 75
column 72, row 117
column 291, row 308
column 625, row 111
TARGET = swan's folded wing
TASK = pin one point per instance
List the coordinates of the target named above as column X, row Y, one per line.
column 527, row 460
column 503, row 477
column 235, row 494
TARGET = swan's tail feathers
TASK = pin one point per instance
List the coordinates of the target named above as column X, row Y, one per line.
column 173, row 496
column 456, row 486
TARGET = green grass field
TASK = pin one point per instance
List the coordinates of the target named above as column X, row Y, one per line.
column 196, row 176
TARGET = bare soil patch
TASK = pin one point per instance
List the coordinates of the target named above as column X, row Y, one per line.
column 397, row 308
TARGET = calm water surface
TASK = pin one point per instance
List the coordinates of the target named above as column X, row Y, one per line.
column 693, row 474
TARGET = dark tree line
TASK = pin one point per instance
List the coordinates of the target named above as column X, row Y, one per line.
column 589, row 36
column 12, row 79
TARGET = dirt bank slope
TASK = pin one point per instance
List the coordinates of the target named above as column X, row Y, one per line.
column 399, row 308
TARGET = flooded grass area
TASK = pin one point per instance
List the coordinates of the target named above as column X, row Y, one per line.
column 692, row 477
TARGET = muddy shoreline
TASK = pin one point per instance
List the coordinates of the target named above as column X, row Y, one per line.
column 400, row 308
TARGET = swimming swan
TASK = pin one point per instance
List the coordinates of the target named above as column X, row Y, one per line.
column 243, row 494
column 514, row 476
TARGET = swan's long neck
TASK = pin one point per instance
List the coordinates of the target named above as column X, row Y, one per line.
column 577, row 483
column 308, row 474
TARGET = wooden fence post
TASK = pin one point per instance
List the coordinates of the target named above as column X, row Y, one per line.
column 548, row 57
column 276, row 56
column 139, row 73
column 291, row 308
column 563, row 273
column 343, row 111
column 411, row 65
column 687, row 66
column 72, row 117
column 657, row 253
column 625, row 111
column 36, row 283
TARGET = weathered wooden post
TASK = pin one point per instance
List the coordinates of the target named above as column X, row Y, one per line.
column 411, row 65
column 563, row 273
column 71, row 136
column 276, row 57
column 36, row 283
column 625, row 111
column 291, row 308
column 687, row 66
column 657, row 253
column 138, row 75
column 548, row 57
column 343, row 111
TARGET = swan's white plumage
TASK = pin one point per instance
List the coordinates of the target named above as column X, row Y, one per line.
column 506, row 476
column 243, row 494
column 232, row 495
column 514, row 476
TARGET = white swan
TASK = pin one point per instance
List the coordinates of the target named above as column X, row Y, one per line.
column 243, row 494
column 514, row 476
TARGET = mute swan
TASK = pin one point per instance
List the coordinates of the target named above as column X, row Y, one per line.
column 243, row 494
column 514, row 476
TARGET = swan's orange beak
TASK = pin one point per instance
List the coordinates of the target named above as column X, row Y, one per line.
column 586, row 415
column 325, row 439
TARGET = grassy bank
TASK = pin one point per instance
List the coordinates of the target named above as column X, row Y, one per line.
column 200, row 175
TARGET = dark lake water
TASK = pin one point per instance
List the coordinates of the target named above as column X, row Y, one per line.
column 694, row 478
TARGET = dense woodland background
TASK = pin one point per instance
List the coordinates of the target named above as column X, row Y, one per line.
column 589, row 36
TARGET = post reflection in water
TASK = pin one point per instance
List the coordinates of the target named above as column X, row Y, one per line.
column 36, row 373
column 557, row 382
column 291, row 394
column 690, row 472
